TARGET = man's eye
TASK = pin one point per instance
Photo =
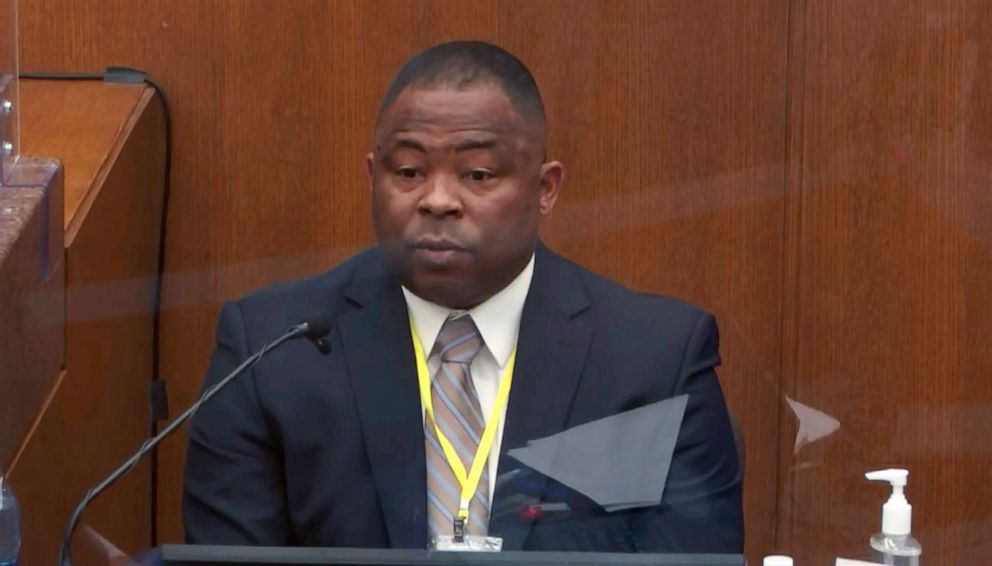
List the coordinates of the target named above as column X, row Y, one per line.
column 479, row 175
column 407, row 172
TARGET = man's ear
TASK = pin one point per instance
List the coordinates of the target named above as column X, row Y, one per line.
column 369, row 160
column 552, row 177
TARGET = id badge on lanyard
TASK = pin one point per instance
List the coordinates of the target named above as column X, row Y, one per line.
column 468, row 480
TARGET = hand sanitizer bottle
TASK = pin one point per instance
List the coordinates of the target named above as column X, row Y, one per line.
column 894, row 545
column 10, row 525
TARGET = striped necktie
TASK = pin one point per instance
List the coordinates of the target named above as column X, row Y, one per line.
column 459, row 417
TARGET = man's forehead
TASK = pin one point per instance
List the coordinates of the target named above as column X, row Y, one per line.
column 479, row 110
column 459, row 141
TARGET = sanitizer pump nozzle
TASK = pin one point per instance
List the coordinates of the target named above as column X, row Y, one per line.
column 897, row 513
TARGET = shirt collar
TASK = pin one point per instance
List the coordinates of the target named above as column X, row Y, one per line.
column 498, row 319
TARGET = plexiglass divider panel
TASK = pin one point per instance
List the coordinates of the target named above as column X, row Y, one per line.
column 9, row 138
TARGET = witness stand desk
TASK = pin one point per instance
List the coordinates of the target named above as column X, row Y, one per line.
column 76, row 343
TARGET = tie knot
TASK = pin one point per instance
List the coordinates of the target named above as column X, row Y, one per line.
column 459, row 340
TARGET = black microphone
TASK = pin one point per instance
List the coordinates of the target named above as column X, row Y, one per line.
column 314, row 328
column 319, row 326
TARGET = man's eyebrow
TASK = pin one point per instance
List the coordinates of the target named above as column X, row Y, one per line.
column 407, row 143
column 470, row 144
column 464, row 145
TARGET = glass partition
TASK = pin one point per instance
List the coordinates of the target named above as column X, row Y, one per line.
column 9, row 135
column 802, row 191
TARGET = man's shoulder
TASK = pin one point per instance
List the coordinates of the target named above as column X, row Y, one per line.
column 321, row 293
column 611, row 294
column 617, row 301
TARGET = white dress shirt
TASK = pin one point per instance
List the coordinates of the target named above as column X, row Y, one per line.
column 498, row 321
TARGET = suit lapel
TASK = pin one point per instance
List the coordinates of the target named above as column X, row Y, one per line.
column 379, row 354
column 551, row 351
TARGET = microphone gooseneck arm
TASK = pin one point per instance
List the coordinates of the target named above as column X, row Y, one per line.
column 314, row 330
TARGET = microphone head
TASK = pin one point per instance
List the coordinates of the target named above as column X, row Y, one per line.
column 318, row 326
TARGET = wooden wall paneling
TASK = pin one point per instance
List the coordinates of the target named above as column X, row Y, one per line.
column 669, row 116
column 791, row 259
column 100, row 412
column 893, row 308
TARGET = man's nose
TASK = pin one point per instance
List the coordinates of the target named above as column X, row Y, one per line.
column 441, row 196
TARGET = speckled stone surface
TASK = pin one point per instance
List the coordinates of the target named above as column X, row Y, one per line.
column 32, row 302
column 17, row 206
column 30, row 188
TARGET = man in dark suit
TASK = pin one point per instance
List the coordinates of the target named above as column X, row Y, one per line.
column 357, row 448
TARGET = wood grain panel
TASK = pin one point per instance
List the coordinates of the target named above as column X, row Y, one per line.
column 100, row 412
column 892, row 307
column 93, row 111
column 32, row 305
column 670, row 116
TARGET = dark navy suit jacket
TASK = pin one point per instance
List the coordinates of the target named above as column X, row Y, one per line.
column 328, row 450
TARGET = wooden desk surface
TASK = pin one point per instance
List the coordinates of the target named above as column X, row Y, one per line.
column 83, row 123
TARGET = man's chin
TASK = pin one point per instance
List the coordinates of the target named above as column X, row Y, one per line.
column 450, row 290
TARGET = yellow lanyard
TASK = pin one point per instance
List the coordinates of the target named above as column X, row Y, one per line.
column 468, row 482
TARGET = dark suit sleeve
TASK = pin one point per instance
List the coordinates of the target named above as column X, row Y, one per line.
column 701, row 507
column 233, row 490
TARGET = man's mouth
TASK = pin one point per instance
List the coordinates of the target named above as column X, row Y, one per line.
column 439, row 244
column 439, row 251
